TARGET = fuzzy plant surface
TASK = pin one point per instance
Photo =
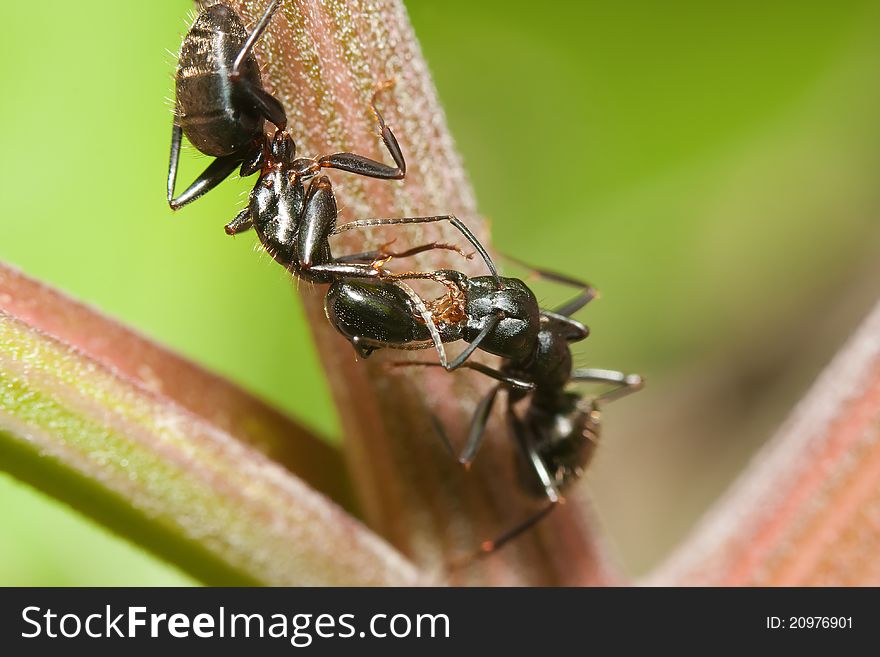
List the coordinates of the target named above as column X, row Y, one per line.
column 191, row 467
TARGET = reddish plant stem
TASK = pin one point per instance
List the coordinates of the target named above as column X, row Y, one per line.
column 148, row 366
column 323, row 60
column 807, row 510
column 131, row 457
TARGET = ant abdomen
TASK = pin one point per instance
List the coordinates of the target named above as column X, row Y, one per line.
column 374, row 314
column 213, row 117
column 220, row 104
column 566, row 437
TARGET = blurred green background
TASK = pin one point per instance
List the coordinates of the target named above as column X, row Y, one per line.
column 712, row 169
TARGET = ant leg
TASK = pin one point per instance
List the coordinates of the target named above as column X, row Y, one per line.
column 356, row 270
column 478, row 427
column 269, row 106
column 364, row 166
column 174, row 159
column 571, row 307
column 427, row 318
column 441, row 431
column 580, row 331
column 213, row 175
column 460, row 360
column 498, row 375
column 564, row 312
column 587, row 291
column 624, row 384
column 318, row 218
column 452, row 219
column 243, row 221
column 491, row 325
column 382, row 254
column 488, row 547
column 553, row 497
column 252, row 38
column 476, row 432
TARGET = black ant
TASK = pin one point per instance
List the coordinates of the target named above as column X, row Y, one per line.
column 558, row 433
column 221, row 107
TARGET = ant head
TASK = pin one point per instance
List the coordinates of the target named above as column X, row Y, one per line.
column 283, row 148
column 514, row 307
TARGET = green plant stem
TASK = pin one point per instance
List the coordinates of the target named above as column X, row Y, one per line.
column 164, row 476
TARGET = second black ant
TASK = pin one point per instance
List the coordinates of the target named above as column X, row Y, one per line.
column 557, row 435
